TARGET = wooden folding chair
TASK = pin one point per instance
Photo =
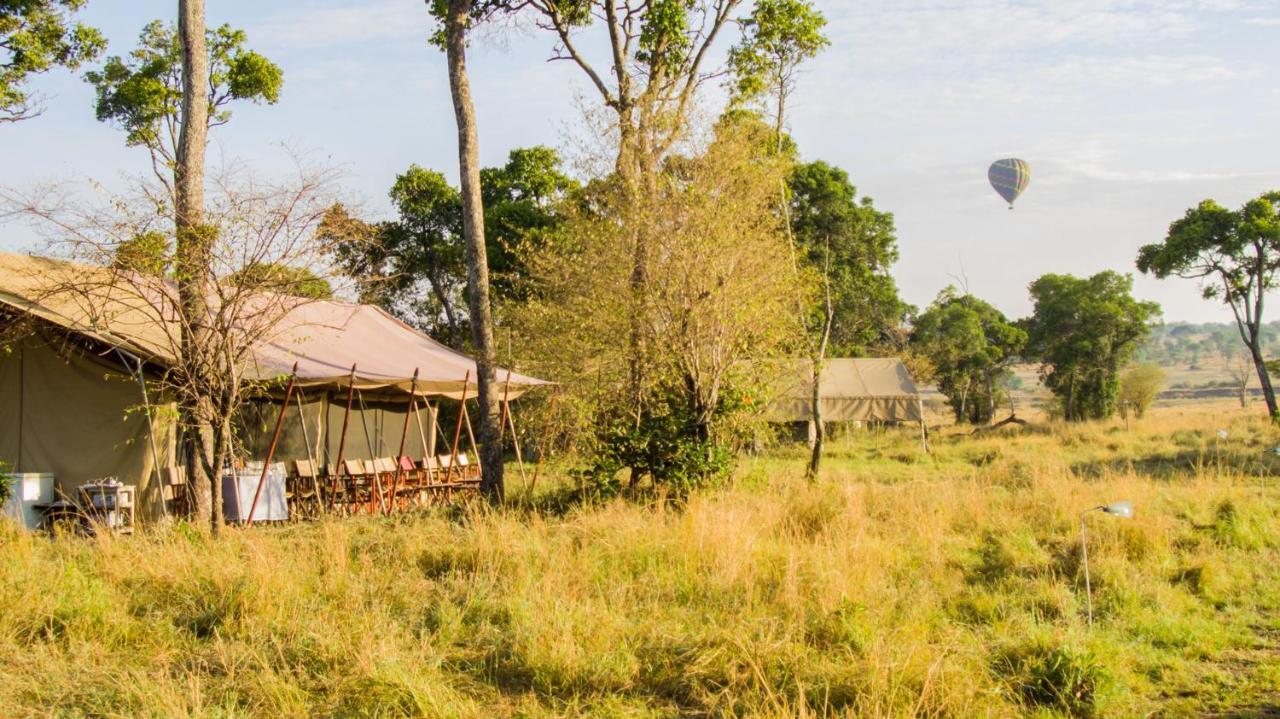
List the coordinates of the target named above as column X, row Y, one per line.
column 302, row 489
column 357, row 478
column 470, row 473
column 175, row 491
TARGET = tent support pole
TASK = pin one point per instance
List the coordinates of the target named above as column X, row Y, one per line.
column 457, row 432
column 375, row 484
column 515, row 443
column 404, row 434
column 515, row 439
column 275, row 440
column 342, row 440
column 151, row 427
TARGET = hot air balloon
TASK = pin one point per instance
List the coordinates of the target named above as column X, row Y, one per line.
column 1009, row 177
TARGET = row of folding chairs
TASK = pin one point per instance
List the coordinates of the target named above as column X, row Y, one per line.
column 377, row 486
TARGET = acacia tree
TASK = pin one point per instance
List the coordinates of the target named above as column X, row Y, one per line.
column 35, row 37
column 1083, row 331
column 166, row 96
column 1235, row 255
column 970, row 345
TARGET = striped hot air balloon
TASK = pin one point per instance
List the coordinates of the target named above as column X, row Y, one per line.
column 1009, row 177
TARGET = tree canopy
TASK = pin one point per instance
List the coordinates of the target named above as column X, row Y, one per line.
column 970, row 345
column 35, row 37
column 1083, row 332
column 415, row 265
column 142, row 92
column 839, row 232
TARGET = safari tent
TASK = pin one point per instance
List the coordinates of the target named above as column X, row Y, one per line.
column 76, row 366
column 873, row 389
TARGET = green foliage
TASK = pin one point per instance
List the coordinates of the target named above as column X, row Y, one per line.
column 1082, row 332
column 35, row 37
column 1053, row 677
column 777, row 37
column 1139, row 387
column 845, row 236
column 283, row 279
column 6, row 483
column 669, row 445
column 147, row 252
column 415, row 266
column 970, row 345
column 142, row 93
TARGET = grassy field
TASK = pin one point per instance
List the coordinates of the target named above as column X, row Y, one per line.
column 900, row 584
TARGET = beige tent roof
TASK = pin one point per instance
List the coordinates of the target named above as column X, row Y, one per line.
column 325, row 338
column 851, row 389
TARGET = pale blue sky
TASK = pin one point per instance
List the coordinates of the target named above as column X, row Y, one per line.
column 1129, row 111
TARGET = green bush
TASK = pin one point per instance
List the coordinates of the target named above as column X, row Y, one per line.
column 668, row 445
column 1053, row 677
column 6, row 484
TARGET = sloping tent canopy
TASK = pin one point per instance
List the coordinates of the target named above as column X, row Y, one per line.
column 324, row 338
column 850, row 389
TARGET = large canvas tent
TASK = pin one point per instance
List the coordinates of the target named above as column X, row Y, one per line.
column 73, row 378
column 878, row 389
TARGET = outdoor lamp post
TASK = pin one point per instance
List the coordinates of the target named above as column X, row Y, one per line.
column 1123, row 510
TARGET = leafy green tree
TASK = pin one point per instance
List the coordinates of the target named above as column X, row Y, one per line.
column 1083, row 331
column 35, row 37
column 970, row 345
column 840, row 233
column 521, row 201
column 778, row 37
column 142, row 93
column 1236, row 255
column 415, row 266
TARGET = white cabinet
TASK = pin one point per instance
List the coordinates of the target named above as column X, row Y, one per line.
column 27, row 490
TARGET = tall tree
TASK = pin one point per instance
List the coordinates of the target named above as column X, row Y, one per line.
column 777, row 38
column 457, row 17
column 970, row 345
column 1083, row 332
column 166, row 96
column 35, row 37
column 1235, row 255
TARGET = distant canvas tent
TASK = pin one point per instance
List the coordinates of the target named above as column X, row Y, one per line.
column 69, row 389
column 878, row 389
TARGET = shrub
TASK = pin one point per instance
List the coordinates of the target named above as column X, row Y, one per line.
column 1053, row 677
column 1139, row 386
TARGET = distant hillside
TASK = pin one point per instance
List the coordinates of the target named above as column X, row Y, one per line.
column 1186, row 346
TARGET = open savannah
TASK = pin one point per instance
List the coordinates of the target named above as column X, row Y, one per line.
column 896, row 584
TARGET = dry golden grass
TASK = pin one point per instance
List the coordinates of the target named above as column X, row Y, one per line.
column 898, row 585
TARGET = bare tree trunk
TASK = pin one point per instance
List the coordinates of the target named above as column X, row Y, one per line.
column 456, row 25
column 193, row 258
column 1264, row 377
column 820, row 356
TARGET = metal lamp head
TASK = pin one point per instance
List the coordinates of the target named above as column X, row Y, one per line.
column 1123, row 510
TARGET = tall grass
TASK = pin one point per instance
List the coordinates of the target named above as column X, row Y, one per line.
column 900, row 584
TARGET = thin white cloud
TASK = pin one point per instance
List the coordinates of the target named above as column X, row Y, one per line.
column 342, row 25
